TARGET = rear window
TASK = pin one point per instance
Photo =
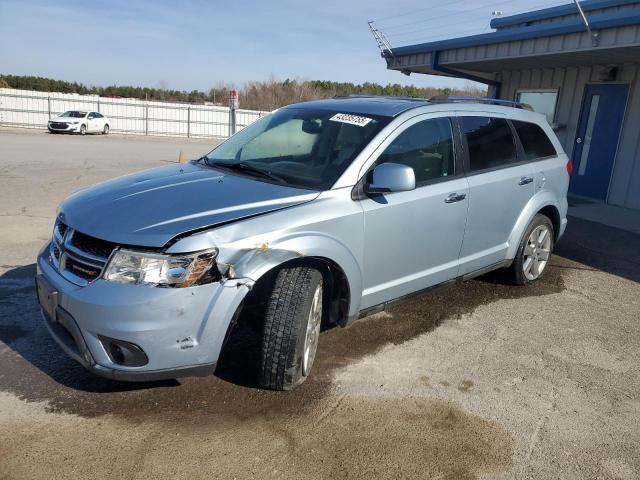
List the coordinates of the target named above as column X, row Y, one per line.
column 490, row 142
column 534, row 141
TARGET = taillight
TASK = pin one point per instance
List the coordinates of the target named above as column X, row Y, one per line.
column 569, row 167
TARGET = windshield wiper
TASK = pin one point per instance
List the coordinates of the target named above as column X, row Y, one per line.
column 247, row 168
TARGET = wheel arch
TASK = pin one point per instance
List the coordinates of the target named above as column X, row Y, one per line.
column 337, row 291
column 553, row 214
column 335, row 260
column 544, row 203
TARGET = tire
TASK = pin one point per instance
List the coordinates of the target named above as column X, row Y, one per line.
column 291, row 328
column 533, row 252
column 83, row 129
column 105, row 130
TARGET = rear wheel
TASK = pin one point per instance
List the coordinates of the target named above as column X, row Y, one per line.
column 291, row 328
column 105, row 130
column 534, row 251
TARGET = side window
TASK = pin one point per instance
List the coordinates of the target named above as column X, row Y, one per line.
column 490, row 142
column 534, row 141
column 427, row 147
column 97, row 115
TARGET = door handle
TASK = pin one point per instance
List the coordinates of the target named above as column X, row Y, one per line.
column 525, row 180
column 455, row 197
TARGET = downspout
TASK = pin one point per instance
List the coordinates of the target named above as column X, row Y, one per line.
column 435, row 65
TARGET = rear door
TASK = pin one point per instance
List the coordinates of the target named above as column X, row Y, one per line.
column 500, row 185
column 412, row 239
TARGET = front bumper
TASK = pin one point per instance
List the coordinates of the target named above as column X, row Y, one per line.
column 180, row 330
column 69, row 128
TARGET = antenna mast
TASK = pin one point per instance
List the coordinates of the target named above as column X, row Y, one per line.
column 593, row 35
column 381, row 40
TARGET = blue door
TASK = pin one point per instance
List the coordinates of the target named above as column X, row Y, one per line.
column 597, row 139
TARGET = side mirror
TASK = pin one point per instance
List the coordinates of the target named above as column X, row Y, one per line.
column 391, row 177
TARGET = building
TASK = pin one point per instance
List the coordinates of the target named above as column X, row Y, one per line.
column 584, row 75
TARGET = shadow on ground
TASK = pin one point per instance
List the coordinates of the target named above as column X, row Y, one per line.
column 602, row 247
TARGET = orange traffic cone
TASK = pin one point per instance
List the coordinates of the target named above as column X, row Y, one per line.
column 181, row 157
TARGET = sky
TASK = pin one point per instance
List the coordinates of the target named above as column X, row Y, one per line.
column 196, row 44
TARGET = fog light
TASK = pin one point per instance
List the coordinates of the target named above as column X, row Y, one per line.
column 124, row 353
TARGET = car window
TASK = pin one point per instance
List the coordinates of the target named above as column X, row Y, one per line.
column 535, row 142
column 288, row 139
column 305, row 147
column 490, row 142
column 74, row 114
column 426, row 147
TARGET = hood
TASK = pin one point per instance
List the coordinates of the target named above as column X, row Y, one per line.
column 150, row 208
column 66, row 119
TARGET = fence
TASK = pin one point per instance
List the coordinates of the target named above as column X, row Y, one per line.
column 29, row 109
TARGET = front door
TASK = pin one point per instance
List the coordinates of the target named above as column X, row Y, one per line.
column 596, row 142
column 412, row 239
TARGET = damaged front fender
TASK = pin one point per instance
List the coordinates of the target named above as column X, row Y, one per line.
column 245, row 262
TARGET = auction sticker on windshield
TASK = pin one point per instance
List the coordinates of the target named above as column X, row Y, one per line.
column 351, row 119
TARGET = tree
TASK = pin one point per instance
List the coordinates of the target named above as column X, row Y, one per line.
column 257, row 95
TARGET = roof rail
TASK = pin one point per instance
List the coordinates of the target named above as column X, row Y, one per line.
column 390, row 97
column 491, row 101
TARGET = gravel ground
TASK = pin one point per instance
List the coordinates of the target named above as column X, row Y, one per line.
column 478, row 380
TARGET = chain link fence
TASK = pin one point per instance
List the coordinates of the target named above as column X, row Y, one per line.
column 30, row 109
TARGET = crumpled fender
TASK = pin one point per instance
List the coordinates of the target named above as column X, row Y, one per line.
column 251, row 262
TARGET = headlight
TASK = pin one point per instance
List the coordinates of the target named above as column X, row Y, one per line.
column 184, row 270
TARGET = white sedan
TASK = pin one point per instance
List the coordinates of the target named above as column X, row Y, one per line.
column 79, row 122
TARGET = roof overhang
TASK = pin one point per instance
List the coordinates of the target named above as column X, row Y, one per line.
column 548, row 45
column 557, row 11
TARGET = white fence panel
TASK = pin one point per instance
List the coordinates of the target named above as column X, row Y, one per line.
column 29, row 109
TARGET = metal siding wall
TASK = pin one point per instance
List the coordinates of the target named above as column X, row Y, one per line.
column 570, row 82
column 625, row 182
column 568, row 43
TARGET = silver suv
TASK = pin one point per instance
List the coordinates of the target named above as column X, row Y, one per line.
column 321, row 212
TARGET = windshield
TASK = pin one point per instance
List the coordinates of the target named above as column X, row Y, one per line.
column 74, row 114
column 302, row 147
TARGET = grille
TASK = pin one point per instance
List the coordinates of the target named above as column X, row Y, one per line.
column 80, row 258
column 59, row 125
column 81, row 269
column 60, row 229
column 91, row 245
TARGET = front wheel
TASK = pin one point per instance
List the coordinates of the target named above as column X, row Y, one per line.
column 83, row 129
column 291, row 328
column 534, row 251
column 105, row 130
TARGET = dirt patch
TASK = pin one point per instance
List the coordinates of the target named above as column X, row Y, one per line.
column 346, row 437
column 465, row 386
column 35, row 369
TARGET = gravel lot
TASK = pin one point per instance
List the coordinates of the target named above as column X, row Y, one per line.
column 479, row 380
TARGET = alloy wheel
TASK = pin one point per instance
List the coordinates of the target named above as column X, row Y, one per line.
column 536, row 252
column 313, row 331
